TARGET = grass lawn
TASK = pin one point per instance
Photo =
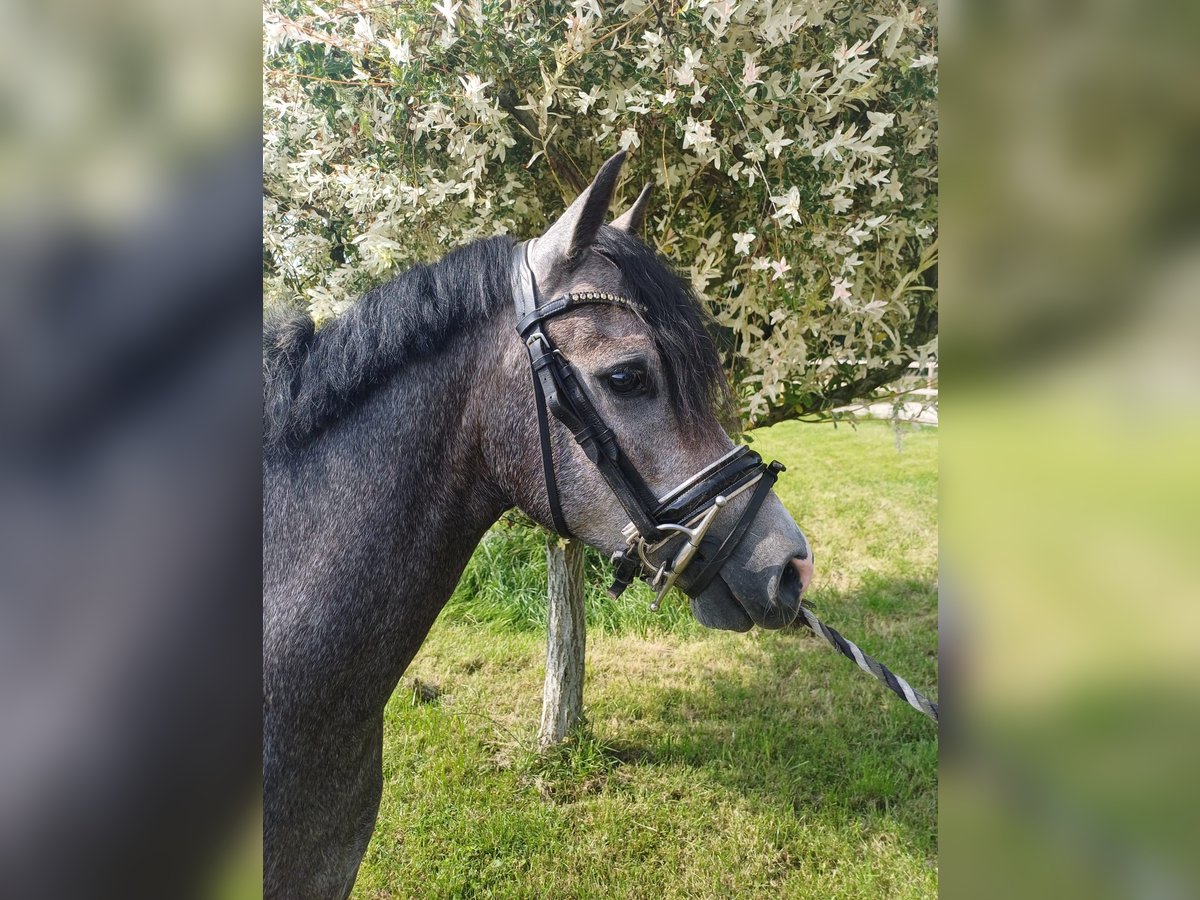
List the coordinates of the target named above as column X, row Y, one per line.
column 713, row 764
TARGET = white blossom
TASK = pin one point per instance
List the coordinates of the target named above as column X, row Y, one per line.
column 788, row 205
column 697, row 134
column 448, row 10
column 780, row 23
column 686, row 73
column 398, row 49
column 751, row 71
column 363, row 30
column 473, row 88
column 717, row 14
column 587, row 99
column 879, row 122
column 742, row 241
column 775, row 141
column 588, row 9
column 844, row 54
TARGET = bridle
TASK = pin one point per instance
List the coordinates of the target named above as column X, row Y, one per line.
column 687, row 512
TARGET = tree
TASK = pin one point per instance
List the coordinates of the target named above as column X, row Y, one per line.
column 792, row 146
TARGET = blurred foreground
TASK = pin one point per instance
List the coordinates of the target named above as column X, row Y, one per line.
column 130, row 629
column 1071, row 434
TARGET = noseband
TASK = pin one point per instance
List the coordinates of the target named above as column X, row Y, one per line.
column 687, row 512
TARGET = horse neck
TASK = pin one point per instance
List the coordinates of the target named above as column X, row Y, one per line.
column 382, row 513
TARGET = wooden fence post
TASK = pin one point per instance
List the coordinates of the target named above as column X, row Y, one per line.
column 562, row 700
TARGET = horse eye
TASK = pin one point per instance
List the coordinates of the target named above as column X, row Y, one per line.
column 626, row 380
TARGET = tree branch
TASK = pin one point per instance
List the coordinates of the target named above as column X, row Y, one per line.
column 924, row 329
column 562, row 167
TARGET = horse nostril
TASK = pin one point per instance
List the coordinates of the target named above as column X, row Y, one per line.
column 797, row 576
column 791, row 584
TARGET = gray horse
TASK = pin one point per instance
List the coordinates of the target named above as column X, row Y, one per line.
column 397, row 434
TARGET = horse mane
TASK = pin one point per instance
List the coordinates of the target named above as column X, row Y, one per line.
column 311, row 377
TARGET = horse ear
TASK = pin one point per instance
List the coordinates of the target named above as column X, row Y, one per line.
column 634, row 218
column 576, row 228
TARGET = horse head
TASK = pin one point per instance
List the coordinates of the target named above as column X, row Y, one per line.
column 642, row 361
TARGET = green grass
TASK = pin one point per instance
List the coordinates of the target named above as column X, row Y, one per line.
column 712, row 764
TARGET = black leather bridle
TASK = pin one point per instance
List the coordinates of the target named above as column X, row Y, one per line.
column 687, row 512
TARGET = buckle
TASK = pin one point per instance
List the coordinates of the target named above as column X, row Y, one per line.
column 626, row 566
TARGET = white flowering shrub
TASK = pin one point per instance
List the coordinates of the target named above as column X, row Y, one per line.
column 792, row 146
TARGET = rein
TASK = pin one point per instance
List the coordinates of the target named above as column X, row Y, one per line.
column 868, row 664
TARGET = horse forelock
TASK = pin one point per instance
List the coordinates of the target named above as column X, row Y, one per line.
column 697, row 383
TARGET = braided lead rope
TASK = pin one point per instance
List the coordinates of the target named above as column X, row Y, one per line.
column 898, row 685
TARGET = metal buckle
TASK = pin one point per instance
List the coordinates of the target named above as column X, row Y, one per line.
column 665, row 575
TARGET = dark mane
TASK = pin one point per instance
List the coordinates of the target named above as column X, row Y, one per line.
column 312, row 377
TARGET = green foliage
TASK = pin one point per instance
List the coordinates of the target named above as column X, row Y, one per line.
column 713, row 764
column 505, row 586
column 792, row 147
